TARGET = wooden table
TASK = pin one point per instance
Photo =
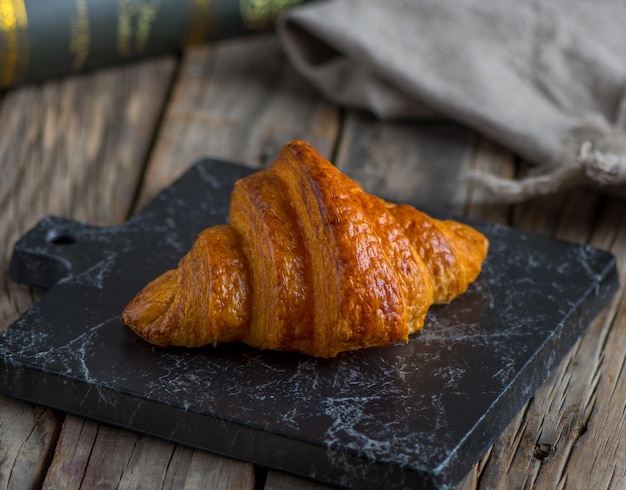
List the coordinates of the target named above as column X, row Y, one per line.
column 95, row 148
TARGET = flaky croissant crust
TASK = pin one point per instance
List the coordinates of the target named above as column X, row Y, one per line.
column 310, row 263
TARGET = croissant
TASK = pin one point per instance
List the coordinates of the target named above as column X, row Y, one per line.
column 309, row 263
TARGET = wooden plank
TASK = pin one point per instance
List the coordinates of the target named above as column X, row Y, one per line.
column 74, row 148
column 237, row 100
column 72, row 453
column 240, row 101
column 190, row 468
column 599, row 456
column 549, row 445
column 422, row 163
column 492, row 159
column 27, row 436
column 124, row 459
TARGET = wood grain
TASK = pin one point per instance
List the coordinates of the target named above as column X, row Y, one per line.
column 552, row 442
column 599, row 456
column 421, row 163
column 27, row 436
column 74, row 148
column 239, row 101
column 490, row 159
column 92, row 455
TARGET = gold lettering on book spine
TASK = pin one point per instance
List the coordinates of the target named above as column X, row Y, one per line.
column 80, row 35
column 134, row 24
column 13, row 42
column 261, row 14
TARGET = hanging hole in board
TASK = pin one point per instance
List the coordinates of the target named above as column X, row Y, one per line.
column 61, row 237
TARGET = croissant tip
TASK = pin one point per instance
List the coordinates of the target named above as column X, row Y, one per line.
column 296, row 143
column 302, row 151
column 146, row 309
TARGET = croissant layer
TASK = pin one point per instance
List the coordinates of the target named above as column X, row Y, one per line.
column 310, row 263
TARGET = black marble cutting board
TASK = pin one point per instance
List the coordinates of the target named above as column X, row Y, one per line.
column 407, row 416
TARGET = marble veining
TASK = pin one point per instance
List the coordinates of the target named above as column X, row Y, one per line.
column 418, row 414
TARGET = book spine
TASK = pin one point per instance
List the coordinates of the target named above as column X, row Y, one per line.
column 40, row 39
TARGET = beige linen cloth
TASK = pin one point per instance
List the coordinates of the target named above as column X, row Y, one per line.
column 547, row 79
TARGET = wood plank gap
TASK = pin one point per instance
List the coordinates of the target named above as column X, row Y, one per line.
column 620, row 306
column 160, row 119
column 26, row 437
column 475, row 159
column 170, row 462
column 488, row 158
column 54, row 439
column 260, row 477
column 478, row 468
column 519, row 433
column 334, row 152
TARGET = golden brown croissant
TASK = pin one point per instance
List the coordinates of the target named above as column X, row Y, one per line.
column 311, row 263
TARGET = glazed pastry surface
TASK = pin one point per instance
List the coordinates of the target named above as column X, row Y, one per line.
column 309, row 263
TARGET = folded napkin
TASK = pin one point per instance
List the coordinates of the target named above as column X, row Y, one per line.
column 545, row 79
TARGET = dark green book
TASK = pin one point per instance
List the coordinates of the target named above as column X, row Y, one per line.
column 40, row 39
